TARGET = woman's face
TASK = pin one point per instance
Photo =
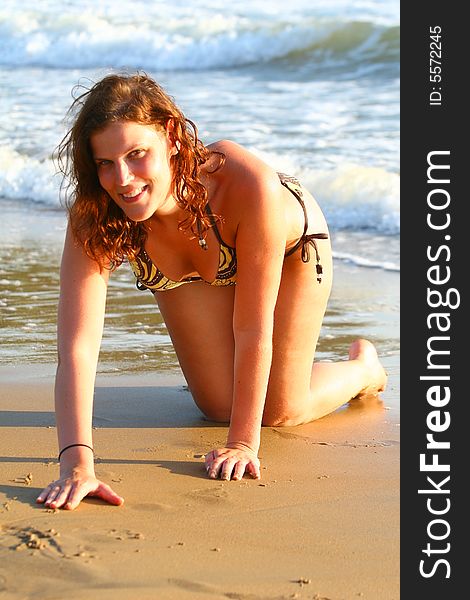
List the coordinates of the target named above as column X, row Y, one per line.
column 133, row 166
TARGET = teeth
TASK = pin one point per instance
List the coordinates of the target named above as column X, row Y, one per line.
column 134, row 193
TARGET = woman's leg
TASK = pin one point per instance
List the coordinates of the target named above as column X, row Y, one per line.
column 334, row 384
column 300, row 390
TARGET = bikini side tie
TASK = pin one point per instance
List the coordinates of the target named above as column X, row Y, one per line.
column 307, row 241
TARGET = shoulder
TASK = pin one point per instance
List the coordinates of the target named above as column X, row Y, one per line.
column 238, row 158
column 245, row 174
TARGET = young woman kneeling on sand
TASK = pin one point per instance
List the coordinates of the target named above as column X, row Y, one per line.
column 237, row 256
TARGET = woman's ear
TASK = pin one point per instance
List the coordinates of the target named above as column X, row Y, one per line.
column 175, row 145
column 170, row 126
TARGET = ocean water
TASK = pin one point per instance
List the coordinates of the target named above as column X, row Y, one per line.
column 313, row 90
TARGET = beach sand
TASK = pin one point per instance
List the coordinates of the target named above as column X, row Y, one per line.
column 323, row 522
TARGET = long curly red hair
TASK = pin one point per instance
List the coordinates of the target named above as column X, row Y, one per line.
column 106, row 233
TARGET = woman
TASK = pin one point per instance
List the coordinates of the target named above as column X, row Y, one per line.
column 237, row 256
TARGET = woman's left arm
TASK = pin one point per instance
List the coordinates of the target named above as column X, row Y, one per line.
column 260, row 246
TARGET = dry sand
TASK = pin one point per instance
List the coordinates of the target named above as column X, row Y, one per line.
column 323, row 522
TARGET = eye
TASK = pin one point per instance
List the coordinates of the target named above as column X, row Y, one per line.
column 102, row 163
column 138, row 153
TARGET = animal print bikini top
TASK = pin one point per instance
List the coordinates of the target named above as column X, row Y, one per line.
column 149, row 276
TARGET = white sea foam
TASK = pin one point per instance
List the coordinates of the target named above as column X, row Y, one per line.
column 358, row 197
column 352, row 196
column 92, row 38
column 362, row 261
column 24, row 177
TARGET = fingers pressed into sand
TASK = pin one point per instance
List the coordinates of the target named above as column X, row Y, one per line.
column 231, row 463
column 254, row 470
column 54, row 491
column 228, row 466
column 68, row 493
column 215, row 467
column 239, row 470
column 43, row 495
column 61, row 497
column 208, row 459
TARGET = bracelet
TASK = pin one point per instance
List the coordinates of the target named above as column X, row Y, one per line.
column 71, row 446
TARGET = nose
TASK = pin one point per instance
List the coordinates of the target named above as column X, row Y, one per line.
column 122, row 173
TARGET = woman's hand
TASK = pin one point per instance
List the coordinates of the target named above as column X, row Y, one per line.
column 232, row 463
column 70, row 489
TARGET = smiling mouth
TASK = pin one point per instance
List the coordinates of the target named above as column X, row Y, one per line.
column 134, row 195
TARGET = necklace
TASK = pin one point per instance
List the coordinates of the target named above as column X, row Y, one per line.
column 202, row 241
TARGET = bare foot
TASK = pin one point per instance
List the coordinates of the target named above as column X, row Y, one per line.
column 365, row 351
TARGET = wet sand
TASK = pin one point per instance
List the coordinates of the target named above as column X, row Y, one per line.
column 323, row 522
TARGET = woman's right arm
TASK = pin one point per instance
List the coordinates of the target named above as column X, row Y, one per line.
column 80, row 326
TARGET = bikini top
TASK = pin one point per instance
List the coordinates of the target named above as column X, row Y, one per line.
column 149, row 277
